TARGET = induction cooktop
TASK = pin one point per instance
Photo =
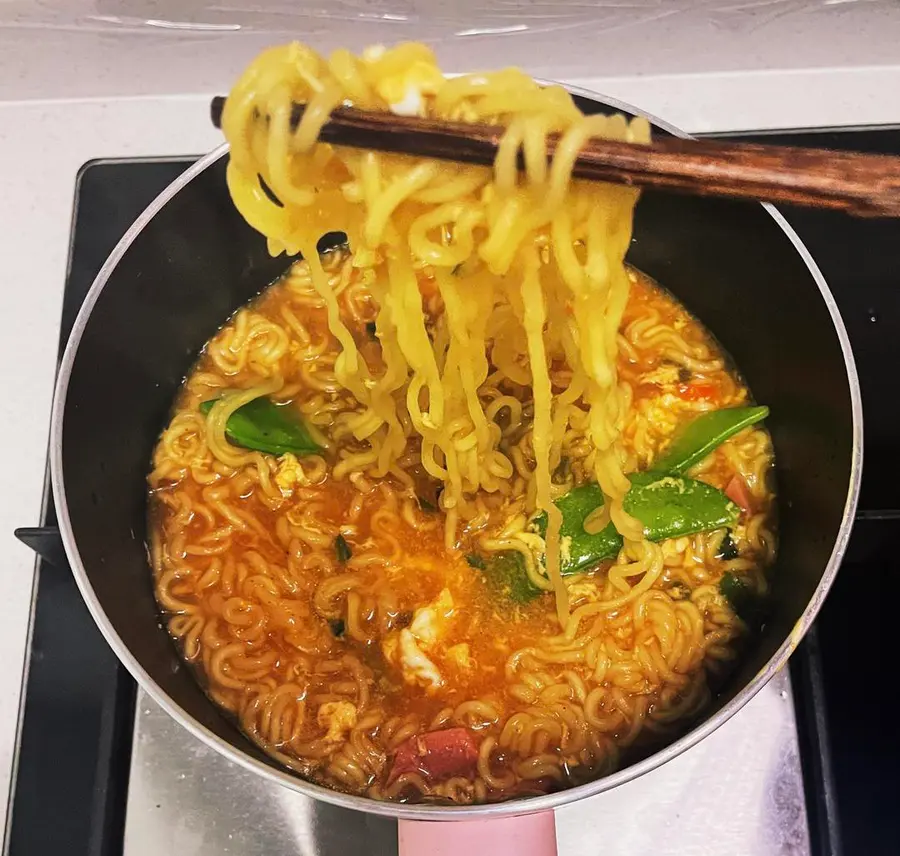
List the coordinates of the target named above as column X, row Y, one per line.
column 808, row 767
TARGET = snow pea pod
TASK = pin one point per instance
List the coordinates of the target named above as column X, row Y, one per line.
column 667, row 506
column 264, row 426
column 703, row 434
column 751, row 607
column 506, row 575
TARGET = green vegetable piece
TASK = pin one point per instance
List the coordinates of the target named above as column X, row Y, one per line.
column 668, row 506
column 426, row 506
column 342, row 549
column 336, row 626
column 562, row 472
column 703, row 434
column 506, row 575
column 579, row 549
column 727, row 548
column 267, row 427
column 747, row 603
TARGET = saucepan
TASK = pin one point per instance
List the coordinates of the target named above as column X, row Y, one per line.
column 190, row 260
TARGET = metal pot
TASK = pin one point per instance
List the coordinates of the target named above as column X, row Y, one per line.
column 190, row 260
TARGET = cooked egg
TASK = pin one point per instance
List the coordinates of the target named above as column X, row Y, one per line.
column 407, row 648
column 412, row 104
column 338, row 717
column 459, row 656
column 417, row 668
column 289, row 474
column 405, row 93
column 665, row 374
column 584, row 591
column 430, row 622
column 662, row 411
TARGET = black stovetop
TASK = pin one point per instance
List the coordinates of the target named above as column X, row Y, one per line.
column 69, row 793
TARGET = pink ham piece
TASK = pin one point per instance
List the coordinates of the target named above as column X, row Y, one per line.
column 738, row 492
column 437, row 755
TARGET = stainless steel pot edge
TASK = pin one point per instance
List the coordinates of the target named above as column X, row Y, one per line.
column 423, row 812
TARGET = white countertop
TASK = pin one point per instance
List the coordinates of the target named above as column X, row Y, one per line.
column 81, row 79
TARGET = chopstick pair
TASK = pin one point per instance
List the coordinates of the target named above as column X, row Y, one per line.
column 859, row 184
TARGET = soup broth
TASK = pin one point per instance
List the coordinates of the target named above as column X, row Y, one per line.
column 325, row 610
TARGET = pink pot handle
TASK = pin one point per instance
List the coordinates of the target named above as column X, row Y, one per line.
column 526, row 835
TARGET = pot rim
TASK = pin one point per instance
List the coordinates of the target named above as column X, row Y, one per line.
column 520, row 806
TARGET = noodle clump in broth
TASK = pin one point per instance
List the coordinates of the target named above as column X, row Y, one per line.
column 397, row 515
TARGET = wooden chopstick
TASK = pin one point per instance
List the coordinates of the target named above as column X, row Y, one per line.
column 857, row 183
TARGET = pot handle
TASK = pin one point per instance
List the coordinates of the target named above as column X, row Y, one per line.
column 525, row 835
